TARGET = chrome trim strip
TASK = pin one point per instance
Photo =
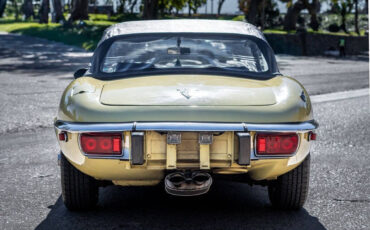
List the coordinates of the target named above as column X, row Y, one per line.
column 88, row 127
column 189, row 126
column 288, row 127
column 81, row 127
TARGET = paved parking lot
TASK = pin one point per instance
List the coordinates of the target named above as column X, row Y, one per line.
column 33, row 74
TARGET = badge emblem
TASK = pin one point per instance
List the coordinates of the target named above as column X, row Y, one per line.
column 185, row 93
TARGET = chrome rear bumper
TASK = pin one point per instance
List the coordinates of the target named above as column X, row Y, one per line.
column 81, row 127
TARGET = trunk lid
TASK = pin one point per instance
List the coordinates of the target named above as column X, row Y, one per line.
column 188, row 90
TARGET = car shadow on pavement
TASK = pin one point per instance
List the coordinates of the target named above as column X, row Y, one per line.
column 228, row 205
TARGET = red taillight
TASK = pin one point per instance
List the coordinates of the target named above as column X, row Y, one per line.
column 277, row 144
column 101, row 143
column 312, row 136
column 63, row 136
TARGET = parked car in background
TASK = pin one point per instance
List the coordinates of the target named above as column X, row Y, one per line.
column 183, row 102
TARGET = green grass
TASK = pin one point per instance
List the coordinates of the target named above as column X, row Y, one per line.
column 11, row 25
column 239, row 18
column 275, row 31
column 98, row 17
column 88, row 36
column 340, row 33
column 279, row 31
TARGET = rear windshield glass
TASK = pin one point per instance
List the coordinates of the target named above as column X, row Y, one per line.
column 176, row 53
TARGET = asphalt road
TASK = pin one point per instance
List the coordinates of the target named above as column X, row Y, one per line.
column 33, row 74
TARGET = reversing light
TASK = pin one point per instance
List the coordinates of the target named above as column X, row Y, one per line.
column 277, row 144
column 101, row 143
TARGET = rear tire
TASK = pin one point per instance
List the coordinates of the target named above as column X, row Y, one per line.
column 289, row 191
column 79, row 191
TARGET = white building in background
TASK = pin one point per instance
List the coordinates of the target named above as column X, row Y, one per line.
column 229, row 6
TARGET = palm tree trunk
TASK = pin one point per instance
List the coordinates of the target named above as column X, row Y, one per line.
column 219, row 7
column 150, row 9
column 58, row 13
column 132, row 7
column 252, row 12
column 356, row 17
column 343, row 13
column 44, row 12
column 290, row 20
column 263, row 15
column 79, row 10
column 189, row 5
column 2, row 7
column 16, row 11
column 312, row 10
column 27, row 9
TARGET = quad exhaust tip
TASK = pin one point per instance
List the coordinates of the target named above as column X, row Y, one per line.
column 188, row 183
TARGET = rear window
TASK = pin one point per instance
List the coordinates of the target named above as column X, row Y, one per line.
column 177, row 53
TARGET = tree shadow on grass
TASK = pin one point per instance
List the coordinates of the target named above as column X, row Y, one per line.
column 228, row 205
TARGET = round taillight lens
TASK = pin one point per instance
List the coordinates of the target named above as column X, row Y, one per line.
column 277, row 143
column 89, row 144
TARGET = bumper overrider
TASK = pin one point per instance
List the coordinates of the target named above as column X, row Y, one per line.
column 150, row 149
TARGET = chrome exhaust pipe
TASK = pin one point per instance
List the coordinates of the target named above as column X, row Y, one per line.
column 188, row 184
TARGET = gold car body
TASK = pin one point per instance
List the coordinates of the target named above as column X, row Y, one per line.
column 243, row 107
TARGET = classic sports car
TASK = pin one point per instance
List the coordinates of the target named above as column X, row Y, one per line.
column 183, row 103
